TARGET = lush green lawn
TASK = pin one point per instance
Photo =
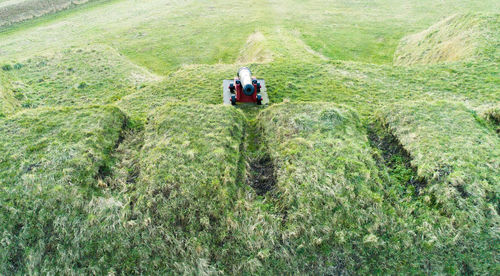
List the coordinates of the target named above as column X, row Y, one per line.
column 116, row 155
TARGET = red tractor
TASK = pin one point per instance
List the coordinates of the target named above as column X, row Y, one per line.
column 244, row 89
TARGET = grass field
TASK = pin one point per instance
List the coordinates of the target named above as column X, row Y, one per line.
column 379, row 151
column 15, row 11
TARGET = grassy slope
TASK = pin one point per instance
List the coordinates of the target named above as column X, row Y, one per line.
column 188, row 180
column 322, row 161
column 45, row 134
column 187, row 193
column 460, row 163
column 21, row 10
column 145, row 33
column 75, row 76
column 163, row 35
column 448, row 154
column 166, row 39
column 50, row 161
column 340, row 213
column 8, row 104
column 459, row 37
column 364, row 87
column 366, row 31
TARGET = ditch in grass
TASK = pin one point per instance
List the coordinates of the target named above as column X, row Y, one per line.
column 260, row 174
column 390, row 154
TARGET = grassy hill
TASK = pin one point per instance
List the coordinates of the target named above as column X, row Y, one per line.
column 14, row 11
column 379, row 151
column 459, row 37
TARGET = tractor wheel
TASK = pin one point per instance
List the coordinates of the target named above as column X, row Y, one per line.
column 233, row 100
column 259, row 100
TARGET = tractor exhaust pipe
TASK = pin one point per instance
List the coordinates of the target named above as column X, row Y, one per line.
column 246, row 81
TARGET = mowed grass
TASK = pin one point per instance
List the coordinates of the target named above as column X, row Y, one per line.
column 163, row 35
column 157, row 34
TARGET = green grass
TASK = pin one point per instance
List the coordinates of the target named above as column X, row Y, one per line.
column 144, row 34
column 447, row 154
column 162, row 37
column 366, row 31
column 62, row 145
column 493, row 114
column 370, row 167
column 188, row 182
column 460, row 164
column 50, row 161
column 8, row 104
column 76, row 76
column 322, row 161
column 16, row 11
column 459, row 37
